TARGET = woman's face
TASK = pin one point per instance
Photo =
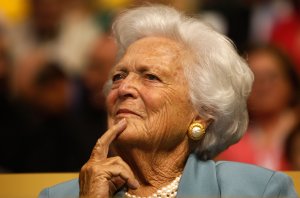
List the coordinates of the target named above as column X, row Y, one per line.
column 271, row 90
column 150, row 90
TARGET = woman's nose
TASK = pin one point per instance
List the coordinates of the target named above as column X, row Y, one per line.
column 128, row 87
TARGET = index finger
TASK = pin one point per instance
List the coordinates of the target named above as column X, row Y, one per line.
column 100, row 150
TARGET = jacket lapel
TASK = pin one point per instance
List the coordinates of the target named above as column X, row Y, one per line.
column 199, row 179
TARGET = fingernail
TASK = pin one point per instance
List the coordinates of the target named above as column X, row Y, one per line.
column 122, row 122
column 134, row 184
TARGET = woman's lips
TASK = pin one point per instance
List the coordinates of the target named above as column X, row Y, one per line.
column 125, row 112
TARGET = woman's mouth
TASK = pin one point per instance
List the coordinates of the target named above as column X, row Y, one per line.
column 126, row 113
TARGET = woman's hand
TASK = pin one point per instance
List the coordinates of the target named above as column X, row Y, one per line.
column 102, row 176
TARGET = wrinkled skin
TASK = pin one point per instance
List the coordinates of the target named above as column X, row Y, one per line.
column 102, row 176
column 149, row 112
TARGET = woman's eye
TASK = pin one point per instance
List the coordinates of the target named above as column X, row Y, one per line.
column 152, row 77
column 118, row 77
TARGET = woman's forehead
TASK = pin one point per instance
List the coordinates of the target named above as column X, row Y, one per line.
column 156, row 45
column 153, row 51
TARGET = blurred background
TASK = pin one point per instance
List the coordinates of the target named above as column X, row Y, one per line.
column 55, row 56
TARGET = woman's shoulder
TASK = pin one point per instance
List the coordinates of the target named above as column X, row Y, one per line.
column 233, row 179
column 240, row 177
column 242, row 169
column 66, row 189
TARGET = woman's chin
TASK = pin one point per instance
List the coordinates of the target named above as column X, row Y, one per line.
column 130, row 137
column 127, row 135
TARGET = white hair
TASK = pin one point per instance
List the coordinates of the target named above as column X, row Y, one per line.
column 219, row 79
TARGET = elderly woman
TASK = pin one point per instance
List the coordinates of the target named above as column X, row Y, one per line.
column 175, row 99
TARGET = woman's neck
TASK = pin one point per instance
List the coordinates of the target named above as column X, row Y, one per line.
column 155, row 169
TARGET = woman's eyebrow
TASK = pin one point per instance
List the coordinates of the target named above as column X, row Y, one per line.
column 144, row 68
column 119, row 68
column 152, row 67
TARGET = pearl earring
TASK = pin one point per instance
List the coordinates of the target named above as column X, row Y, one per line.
column 196, row 131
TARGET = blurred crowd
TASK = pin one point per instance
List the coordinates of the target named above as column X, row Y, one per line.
column 55, row 56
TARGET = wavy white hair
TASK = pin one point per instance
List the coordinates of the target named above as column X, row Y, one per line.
column 219, row 79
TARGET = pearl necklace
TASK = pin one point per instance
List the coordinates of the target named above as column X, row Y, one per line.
column 169, row 191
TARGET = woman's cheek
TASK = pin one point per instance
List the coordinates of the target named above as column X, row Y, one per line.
column 110, row 103
column 155, row 100
column 111, row 100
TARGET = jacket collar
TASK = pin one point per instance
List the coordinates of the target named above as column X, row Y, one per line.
column 198, row 179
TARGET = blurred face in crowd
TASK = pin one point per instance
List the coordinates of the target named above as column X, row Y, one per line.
column 55, row 97
column 101, row 60
column 150, row 90
column 47, row 14
column 271, row 90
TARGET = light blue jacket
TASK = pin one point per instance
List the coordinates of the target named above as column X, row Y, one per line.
column 208, row 179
